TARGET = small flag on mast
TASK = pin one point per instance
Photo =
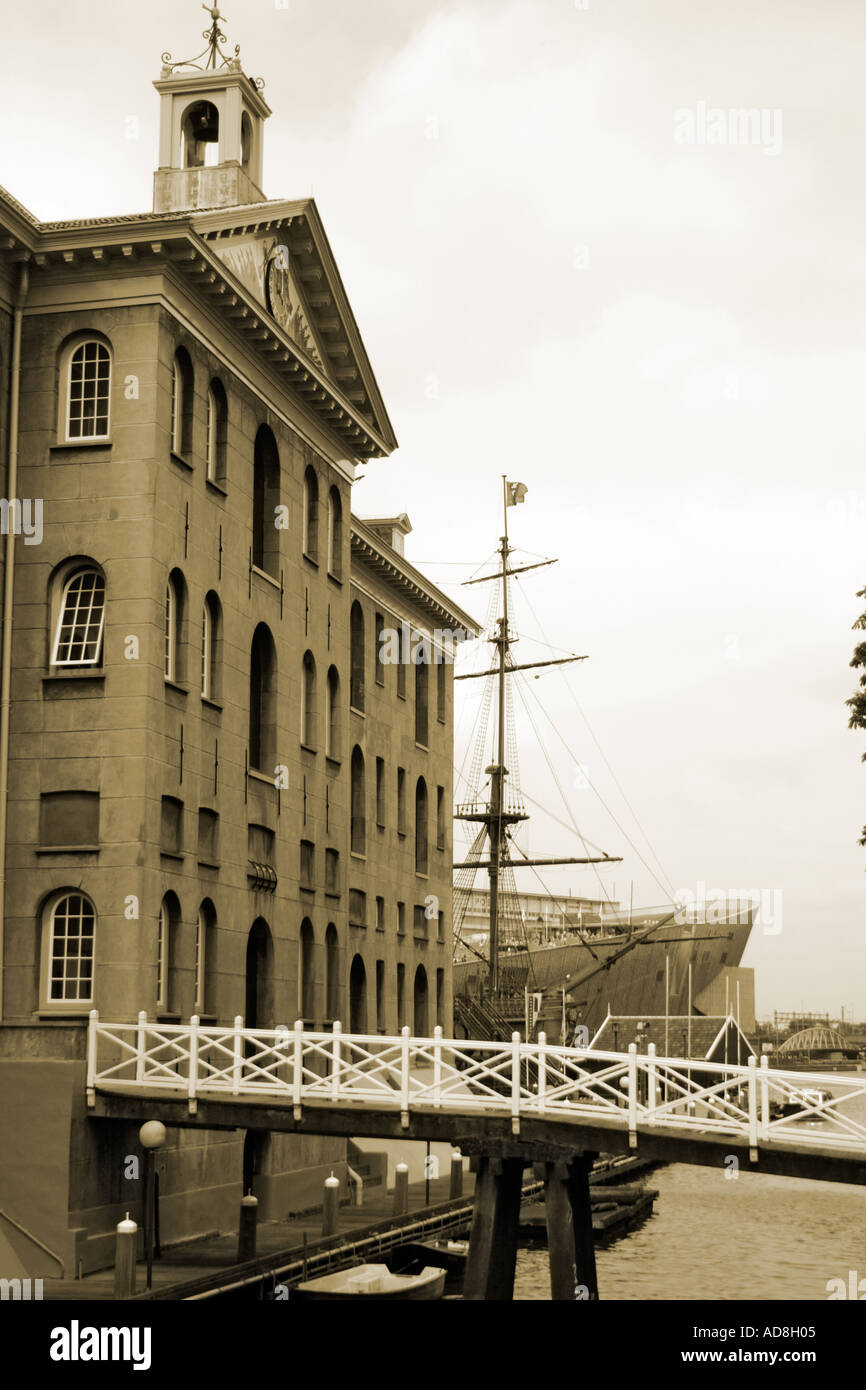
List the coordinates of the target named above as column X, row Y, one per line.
column 515, row 492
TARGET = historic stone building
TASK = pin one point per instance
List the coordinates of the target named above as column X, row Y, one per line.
column 219, row 799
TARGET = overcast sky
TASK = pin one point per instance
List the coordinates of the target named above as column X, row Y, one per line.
column 663, row 340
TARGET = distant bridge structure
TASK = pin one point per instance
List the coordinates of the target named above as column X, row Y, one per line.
column 506, row 1104
column 817, row 1039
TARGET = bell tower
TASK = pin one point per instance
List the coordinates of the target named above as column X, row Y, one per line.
column 211, row 125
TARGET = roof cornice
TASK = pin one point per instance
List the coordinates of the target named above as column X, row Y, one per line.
column 398, row 574
column 152, row 238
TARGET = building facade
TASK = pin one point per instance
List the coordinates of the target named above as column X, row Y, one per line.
column 219, row 800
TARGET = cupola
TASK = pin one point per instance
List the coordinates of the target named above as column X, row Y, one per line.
column 211, row 125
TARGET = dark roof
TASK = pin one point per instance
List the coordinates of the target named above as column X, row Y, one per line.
column 704, row 1032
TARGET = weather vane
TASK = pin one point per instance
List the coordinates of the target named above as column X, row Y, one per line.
column 213, row 54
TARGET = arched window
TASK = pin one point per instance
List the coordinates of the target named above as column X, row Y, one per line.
column 217, row 430
column 335, row 533
column 358, row 804
column 332, row 730
column 80, row 619
column 333, row 991
column 88, row 391
column 307, row 973
column 356, row 691
column 263, row 699
column 266, row 497
column 211, row 638
column 175, row 603
column 166, row 945
column 182, row 393
column 421, row 1015
column 421, row 826
column 200, row 128
column 311, row 514
column 246, row 142
column 357, row 996
column 69, row 927
column 422, row 700
column 205, row 931
column 308, row 701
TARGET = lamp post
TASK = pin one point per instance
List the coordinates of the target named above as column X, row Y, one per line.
column 151, row 1135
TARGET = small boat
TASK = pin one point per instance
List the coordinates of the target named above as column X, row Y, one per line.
column 450, row 1255
column 373, row 1282
column 805, row 1104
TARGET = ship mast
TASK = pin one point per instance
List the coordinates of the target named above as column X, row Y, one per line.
column 496, row 816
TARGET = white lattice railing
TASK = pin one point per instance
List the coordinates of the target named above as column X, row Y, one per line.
column 628, row 1091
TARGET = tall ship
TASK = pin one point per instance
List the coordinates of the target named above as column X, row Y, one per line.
column 528, row 959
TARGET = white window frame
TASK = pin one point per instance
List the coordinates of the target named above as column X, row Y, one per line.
column 170, row 631
column 207, row 636
column 78, row 1004
column 211, row 436
column 67, row 663
column 201, row 926
column 163, row 949
column 177, row 404
column 74, row 350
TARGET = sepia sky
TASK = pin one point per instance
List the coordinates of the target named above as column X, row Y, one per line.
column 663, row 340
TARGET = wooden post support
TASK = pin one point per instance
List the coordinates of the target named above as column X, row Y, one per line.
column 331, row 1206
column 124, row 1258
column 493, row 1238
column 456, row 1174
column 581, row 1220
column 401, row 1189
column 560, row 1234
column 247, row 1228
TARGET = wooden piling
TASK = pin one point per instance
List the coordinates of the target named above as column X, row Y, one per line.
column 247, row 1228
column 581, row 1219
column 493, row 1238
column 561, row 1248
column 124, row 1258
column 331, row 1206
column 456, row 1174
column 401, row 1189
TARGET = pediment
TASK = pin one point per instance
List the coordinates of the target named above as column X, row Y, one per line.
column 280, row 254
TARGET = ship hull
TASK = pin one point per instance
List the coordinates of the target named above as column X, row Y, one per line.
column 604, row 977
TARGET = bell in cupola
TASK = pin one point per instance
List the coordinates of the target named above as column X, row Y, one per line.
column 201, row 133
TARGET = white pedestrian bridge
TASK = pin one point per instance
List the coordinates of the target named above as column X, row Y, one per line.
column 301, row 1080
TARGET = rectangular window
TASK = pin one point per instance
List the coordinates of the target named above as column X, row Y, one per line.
column 308, row 864
column 380, row 914
column 401, row 919
column 440, row 927
column 380, row 995
column 332, row 872
column 208, row 827
column 357, row 908
column 401, row 995
column 171, row 827
column 69, row 818
column 380, row 792
column 440, row 817
column 260, row 844
column 440, row 997
column 420, row 922
column 401, row 801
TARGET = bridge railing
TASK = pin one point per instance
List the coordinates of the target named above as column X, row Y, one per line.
column 631, row 1090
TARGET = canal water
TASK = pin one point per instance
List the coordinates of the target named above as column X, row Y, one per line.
column 716, row 1237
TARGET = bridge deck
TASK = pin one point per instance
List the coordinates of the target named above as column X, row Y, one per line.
column 513, row 1097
